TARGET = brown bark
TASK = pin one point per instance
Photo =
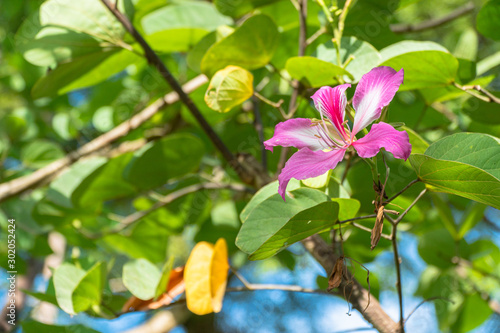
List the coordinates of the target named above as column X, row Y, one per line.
column 359, row 297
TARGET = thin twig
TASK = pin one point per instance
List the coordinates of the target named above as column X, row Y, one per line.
column 427, row 300
column 398, row 274
column 133, row 218
column 155, row 60
column 47, row 173
column 374, row 314
column 353, row 330
column 410, row 207
column 316, row 35
column 488, row 96
column 434, row 23
column 247, row 286
column 253, row 287
column 362, row 227
column 357, row 218
column 445, row 111
column 347, row 166
column 396, row 256
column 276, row 105
column 401, row 192
column 260, row 133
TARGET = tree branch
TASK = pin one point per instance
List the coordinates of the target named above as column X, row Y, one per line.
column 292, row 107
column 133, row 218
column 359, row 296
column 398, row 275
column 488, row 97
column 433, row 23
column 41, row 176
column 401, row 192
column 154, row 60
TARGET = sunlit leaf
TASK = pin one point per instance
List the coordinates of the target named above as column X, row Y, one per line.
column 464, row 164
column 426, row 64
column 205, row 277
column 313, row 72
column 228, row 88
column 250, row 46
column 487, row 19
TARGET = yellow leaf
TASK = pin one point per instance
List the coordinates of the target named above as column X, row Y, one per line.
column 219, row 274
column 229, row 87
column 205, row 277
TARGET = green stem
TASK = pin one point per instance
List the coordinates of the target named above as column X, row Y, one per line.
column 325, row 9
column 373, row 167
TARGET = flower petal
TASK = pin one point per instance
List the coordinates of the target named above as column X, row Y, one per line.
column 332, row 102
column 375, row 90
column 298, row 133
column 383, row 135
column 306, row 164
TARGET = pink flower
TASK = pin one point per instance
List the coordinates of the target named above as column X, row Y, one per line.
column 323, row 143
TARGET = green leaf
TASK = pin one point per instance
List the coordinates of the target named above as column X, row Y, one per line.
column 162, row 285
column 39, row 153
column 241, row 7
column 481, row 111
column 418, row 144
column 48, row 296
column 348, row 208
column 186, row 14
column 485, row 256
column 89, row 290
column 313, row 72
column 61, row 190
column 445, row 93
column 188, row 22
column 103, row 118
column 60, row 33
column 273, row 214
column 195, row 56
column 447, row 284
column 488, row 63
column 36, row 327
column 141, row 278
column 474, row 311
column 479, row 150
column 66, row 280
column 145, row 240
column 164, row 159
column 228, row 88
column 104, row 184
column 83, row 72
column 48, row 46
column 437, row 248
column 362, row 56
column 464, row 164
column 250, row 46
column 263, row 194
column 445, row 215
column 426, row 64
column 487, row 20
column 319, row 181
column 304, row 224
column 470, row 218
column 466, row 47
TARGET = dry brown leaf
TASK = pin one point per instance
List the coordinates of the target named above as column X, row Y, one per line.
column 378, row 227
column 337, row 274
